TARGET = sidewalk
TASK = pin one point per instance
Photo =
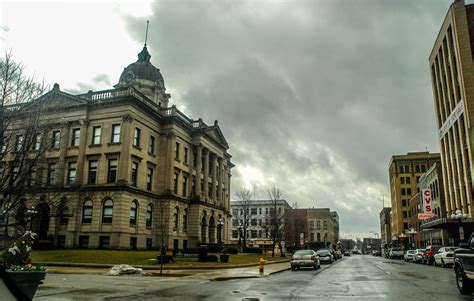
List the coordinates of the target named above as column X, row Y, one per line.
column 206, row 274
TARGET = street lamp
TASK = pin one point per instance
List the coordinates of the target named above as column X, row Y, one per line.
column 412, row 233
column 459, row 215
column 31, row 212
column 240, row 235
column 220, row 224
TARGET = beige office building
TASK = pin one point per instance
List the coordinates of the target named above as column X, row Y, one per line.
column 127, row 164
column 452, row 77
column 404, row 173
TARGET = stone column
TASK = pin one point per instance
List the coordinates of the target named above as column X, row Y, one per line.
column 198, row 169
column 206, row 173
column 82, row 152
column 219, row 184
column 63, row 146
column 214, row 176
column 169, row 185
column 227, row 198
column 124, row 165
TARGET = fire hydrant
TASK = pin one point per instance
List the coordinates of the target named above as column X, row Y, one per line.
column 261, row 265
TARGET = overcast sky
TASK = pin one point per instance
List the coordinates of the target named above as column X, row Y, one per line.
column 313, row 97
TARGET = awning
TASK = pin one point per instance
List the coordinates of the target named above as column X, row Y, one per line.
column 447, row 223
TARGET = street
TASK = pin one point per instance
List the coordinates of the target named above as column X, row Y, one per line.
column 355, row 277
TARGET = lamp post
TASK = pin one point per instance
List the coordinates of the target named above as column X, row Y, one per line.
column 459, row 215
column 31, row 212
column 220, row 224
column 412, row 233
column 240, row 236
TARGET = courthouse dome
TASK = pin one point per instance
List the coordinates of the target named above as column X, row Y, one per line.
column 142, row 69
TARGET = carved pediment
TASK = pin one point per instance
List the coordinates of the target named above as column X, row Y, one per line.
column 215, row 133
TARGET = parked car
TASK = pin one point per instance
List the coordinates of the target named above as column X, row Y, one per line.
column 445, row 256
column 464, row 266
column 409, row 255
column 396, row 253
column 428, row 255
column 325, row 256
column 305, row 258
column 418, row 256
column 347, row 253
column 376, row 253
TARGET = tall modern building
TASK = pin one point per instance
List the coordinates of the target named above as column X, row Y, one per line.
column 129, row 169
column 404, row 174
column 452, row 76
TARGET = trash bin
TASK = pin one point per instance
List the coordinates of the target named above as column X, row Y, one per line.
column 202, row 254
column 225, row 257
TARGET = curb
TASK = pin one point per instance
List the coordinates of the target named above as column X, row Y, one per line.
column 152, row 267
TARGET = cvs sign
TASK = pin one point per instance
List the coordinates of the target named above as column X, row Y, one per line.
column 427, row 206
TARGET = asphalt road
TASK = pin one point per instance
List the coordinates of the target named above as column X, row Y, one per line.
column 356, row 277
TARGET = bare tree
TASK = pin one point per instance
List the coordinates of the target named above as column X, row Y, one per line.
column 23, row 127
column 244, row 197
column 276, row 218
column 162, row 228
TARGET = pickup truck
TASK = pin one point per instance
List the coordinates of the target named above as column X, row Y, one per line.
column 464, row 266
column 396, row 253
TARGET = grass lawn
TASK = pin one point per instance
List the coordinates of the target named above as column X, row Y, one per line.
column 135, row 258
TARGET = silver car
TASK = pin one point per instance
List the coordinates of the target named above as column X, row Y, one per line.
column 305, row 258
column 325, row 256
column 409, row 255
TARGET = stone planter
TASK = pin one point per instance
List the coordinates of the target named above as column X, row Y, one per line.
column 225, row 257
column 26, row 282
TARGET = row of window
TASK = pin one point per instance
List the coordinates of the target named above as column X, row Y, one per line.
column 318, row 237
column 318, row 225
column 406, row 168
column 107, row 213
column 253, row 211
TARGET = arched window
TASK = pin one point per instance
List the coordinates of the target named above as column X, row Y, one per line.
column 133, row 213
column 87, row 212
column 176, row 218
column 149, row 216
column 107, row 211
column 185, row 219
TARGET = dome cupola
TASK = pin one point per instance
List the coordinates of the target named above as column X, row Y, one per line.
column 145, row 77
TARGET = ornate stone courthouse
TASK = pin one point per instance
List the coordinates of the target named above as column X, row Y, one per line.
column 131, row 169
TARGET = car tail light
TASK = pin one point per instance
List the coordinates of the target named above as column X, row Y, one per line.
column 313, row 257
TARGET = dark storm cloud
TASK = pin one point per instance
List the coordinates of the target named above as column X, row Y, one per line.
column 317, row 95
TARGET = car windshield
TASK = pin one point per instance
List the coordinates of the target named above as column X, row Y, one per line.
column 450, row 249
column 304, row 252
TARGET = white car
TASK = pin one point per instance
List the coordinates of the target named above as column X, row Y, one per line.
column 418, row 256
column 445, row 256
column 409, row 255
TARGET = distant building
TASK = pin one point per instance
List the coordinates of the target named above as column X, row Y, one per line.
column 347, row 244
column 370, row 245
column 385, row 226
column 259, row 215
column 452, row 77
column 322, row 226
column 414, row 236
column 404, row 173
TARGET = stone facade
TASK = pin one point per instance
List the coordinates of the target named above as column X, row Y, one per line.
column 130, row 169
